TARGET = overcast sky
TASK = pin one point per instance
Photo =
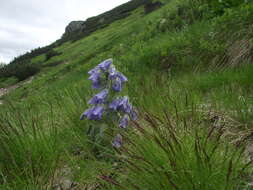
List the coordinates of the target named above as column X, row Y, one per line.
column 28, row 24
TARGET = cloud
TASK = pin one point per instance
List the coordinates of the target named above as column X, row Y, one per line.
column 28, row 24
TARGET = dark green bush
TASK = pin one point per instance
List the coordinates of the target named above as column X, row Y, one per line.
column 51, row 53
column 19, row 70
column 152, row 6
column 218, row 7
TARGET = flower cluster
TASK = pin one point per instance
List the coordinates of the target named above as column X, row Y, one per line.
column 109, row 81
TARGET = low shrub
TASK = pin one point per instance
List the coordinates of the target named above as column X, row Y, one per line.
column 51, row 54
column 19, row 70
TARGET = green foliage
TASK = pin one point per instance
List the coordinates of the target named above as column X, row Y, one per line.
column 5, row 82
column 19, row 70
column 51, row 54
column 103, row 20
column 161, row 155
column 184, row 74
column 29, row 152
column 218, row 7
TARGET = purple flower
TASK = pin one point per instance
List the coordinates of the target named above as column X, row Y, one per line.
column 115, row 103
column 94, row 113
column 121, row 104
column 104, row 66
column 99, row 98
column 133, row 115
column 112, row 71
column 122, row 77
column 124, row 105
column 97, row 84
column 117, row 142
column 94, row 70
column 113, row 74
column 117, row 85
column 124, row 121
column 94, row 76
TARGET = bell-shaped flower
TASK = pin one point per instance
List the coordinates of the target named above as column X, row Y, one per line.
column 124, row 105
column 124, row 121
column 105, row 65
column 97, row 84
column 115, row 104
column 99, row 98
column 122, row 77
column 112, row 71
column 117, row 85
column 117, row 141
column 94, row 113
column 95, row 77
column 114, row 74
column 94, row 70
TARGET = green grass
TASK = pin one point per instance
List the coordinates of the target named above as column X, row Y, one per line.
column 192, row 102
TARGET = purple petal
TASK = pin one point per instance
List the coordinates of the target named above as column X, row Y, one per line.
column 99, row 98
column 94, row 70
column 117, row 85
column 112, row 72
column 122, row 77
column 124, row 121
column 87, row 113
column 115, row 103
column 94, row 113
column 98, row 112
column 94, row 77
column 96, row 84
column 124, row 105
column 104, row 66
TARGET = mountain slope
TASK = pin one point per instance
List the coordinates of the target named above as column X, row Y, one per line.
column 189, row 69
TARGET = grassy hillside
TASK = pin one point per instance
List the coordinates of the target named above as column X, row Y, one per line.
column 190, row 76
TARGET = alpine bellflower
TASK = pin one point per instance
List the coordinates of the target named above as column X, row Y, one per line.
column 94, row 113
column 99, row 98
column 124, row 121
column 106, row 78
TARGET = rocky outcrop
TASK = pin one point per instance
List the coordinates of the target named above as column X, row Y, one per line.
column 74, row 26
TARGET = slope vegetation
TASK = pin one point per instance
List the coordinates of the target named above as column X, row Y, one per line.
column 190, row 76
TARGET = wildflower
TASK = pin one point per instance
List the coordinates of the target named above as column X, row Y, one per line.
column 94, row 113
column 115, row 103
column 121, row 77
column 95, row 70
column 104, row 66
column 117, row 142
column 124, row 105
column 117, row 85
column 124, row 121
column 99, row 98
column 105, row 77
column 114, row 74
column 97, row 84
column 94, row 77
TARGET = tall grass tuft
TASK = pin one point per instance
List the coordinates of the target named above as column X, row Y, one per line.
column 29, row 148
column 184, row 155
